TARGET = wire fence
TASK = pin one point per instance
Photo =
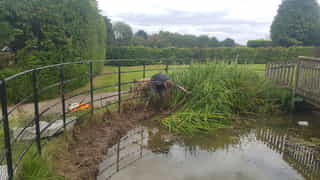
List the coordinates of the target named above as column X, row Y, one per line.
column 21, row 135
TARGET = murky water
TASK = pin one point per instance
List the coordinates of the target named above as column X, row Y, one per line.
column 265, row 149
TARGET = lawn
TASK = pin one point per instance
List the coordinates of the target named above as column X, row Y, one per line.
column 112, row 79
column 256, row 67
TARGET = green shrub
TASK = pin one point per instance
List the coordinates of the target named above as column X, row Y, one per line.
column 244, row 55
column 35, row 167
column 219, row 92
column 259, row 43
column 46, row 33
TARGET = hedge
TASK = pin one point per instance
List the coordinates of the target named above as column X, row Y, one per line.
column 242, row 54
column 45, row 32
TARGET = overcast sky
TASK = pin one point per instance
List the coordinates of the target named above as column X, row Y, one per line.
column 241, row 20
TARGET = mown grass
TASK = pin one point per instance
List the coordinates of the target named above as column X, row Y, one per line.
column 219, row 93
column 108, row 80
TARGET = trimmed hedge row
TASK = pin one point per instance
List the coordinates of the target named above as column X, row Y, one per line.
column 242, row 54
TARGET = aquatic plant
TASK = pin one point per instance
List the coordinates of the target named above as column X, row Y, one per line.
column 221, row 92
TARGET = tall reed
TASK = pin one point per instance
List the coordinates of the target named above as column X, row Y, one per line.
column 220, row 92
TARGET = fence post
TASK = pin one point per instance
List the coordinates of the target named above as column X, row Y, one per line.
column 36, row 109
column 167, row 68
column 91, row 86
column 144, row 71
column 118, row 155
column 119, row 88
column 141, row 145
column 6, row 129
column 267, row 70
column 295, row 85
column 63, row 102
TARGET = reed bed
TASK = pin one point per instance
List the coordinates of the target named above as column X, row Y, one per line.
column 221, row 92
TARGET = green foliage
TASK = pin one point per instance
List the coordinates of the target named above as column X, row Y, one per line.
column 50, row 32
column 165, row 39
column 219, row 93
column 123, row 34
column 228, row 43
column 37, row 167
column 110, row 33
column 142, row 34
column 6, row 59
column 297, row 23
column 245, row 55
column 259, row 43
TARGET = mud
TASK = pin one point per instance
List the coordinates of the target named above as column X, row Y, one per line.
column 90, row 142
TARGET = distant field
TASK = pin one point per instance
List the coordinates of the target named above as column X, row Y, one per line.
column 106, row 80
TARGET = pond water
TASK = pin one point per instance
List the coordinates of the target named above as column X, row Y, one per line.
column 274, row 148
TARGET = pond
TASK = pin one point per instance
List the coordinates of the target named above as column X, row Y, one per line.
column 265, row 149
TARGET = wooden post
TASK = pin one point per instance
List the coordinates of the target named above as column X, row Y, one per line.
column 167, row 68
column 144, row 71
column 295, row 85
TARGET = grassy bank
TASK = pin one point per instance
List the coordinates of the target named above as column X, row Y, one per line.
column 221, row 92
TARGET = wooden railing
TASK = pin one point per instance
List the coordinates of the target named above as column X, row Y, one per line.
column 302, row 76
column 300, row 156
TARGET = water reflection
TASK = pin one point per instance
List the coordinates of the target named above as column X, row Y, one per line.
column 271, row 149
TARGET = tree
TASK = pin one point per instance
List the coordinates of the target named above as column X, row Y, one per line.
column 213, row 42
column 110, row 33
column 142, row 34
column 123, row 33
column 228, row 43
column 203, row 41
column 297, row 23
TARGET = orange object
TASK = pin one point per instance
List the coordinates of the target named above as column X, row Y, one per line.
column 80, row 107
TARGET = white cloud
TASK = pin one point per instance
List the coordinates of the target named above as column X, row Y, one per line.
column 239, row 19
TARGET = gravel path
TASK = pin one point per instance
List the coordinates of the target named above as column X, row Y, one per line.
column 27, row 110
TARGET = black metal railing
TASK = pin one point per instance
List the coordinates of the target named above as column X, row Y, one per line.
column 12, row 160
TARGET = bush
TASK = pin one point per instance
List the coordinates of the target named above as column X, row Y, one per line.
column 221, row 92
column 46, row 33
column 261, row 55
column 259, row 43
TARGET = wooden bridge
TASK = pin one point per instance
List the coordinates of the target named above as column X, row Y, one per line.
column 304, row 158
column 302, row 76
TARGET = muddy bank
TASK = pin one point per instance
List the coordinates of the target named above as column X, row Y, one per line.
column 90, row 141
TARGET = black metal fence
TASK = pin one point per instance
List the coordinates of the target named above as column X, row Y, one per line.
column 15, row 151
column 127, row 150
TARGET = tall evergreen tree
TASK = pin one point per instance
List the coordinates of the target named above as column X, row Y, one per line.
column 123, row 33
column 110, row 33
column 142, row 34
column 297, row 23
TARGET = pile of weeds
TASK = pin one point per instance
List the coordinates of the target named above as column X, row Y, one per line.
column 221, row 92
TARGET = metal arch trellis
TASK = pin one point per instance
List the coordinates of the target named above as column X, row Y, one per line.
column 36, row 92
